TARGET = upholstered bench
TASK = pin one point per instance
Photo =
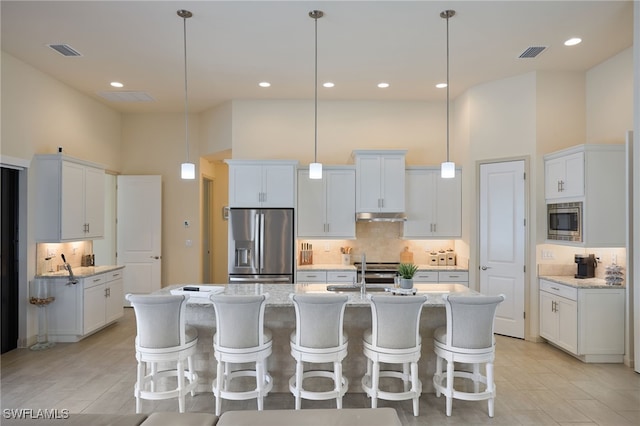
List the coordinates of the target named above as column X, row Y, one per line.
column 312, row 417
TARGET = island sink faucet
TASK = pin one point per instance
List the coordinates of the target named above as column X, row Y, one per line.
column 363, row 268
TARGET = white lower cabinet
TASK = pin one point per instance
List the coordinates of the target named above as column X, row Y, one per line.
column 434, row 277
column 80, row 309
column 326, row 276
column 586, row 322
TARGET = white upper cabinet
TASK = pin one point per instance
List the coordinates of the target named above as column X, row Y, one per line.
column 262, row 183
column 434, row 204
column 564, row 176
column 594, row 174
column 70, row 199
column 380, row 181
column 326, row 207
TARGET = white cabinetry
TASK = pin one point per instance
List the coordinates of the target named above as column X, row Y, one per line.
column 103, row 295
column 69, row 198
column 83, row 308
column 594, row 174
column 380, row 181
column 326, row 276
column 564, row 176
column 326, row 207
column 434, row 204
column 262, row 183
column 432, row 277
column 586, row 322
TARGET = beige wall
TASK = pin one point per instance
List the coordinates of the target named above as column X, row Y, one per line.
column 39, row 114
column 609, row 104
column 154, row 144
column 285, row 129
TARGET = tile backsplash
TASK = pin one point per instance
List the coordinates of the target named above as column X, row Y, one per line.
column 48, row 255
column 382, row 242
column 555, row 259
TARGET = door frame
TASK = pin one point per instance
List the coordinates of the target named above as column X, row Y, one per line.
column 530, row 307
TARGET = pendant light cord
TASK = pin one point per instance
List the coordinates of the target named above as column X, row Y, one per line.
column 186, row 93
column 315, row 94
column 447, row 87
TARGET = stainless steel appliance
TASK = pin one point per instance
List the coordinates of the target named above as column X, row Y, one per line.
column 564, row 221
column 261, row 245
column 586, row 265
column 377, row 272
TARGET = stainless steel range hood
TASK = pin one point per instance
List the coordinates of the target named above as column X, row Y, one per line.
column 381, row 217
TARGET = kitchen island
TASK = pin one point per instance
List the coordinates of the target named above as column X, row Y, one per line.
column 280, row 319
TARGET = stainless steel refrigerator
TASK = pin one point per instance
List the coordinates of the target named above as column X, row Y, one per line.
column 261, row 245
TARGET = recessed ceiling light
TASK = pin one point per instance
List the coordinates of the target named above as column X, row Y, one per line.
column 441, row 85
column 116, row 84
column 573, row 41
column 264, row 84
column 383, row 85
column 328, row 84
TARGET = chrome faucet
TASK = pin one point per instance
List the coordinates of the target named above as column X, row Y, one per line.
column 363, row 284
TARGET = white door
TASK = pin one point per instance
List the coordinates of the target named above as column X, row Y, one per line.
column 139, row 231
column 502, row 241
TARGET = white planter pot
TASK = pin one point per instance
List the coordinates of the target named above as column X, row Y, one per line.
column 406, row 282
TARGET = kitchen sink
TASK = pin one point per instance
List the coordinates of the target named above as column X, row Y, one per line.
column 338, row 288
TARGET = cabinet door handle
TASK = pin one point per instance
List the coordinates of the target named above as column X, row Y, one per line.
column 555, row 288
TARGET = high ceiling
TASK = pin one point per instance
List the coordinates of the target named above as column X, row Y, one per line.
column 234, row 45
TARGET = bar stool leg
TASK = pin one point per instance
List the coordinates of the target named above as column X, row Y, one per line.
column 191, row 371
column 438, row 376
column 298, row 388
column 337, row 378
column 405, row 375
column 449, row 392
column 139, row 384
column 260, row 384
column 491, row 387
column 375, row 379
column 219, row 381
column 180, row 385
column 414, row 388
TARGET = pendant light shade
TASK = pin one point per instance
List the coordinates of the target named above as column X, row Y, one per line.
column 315, row 168
column 448, row 168
column 187, row 169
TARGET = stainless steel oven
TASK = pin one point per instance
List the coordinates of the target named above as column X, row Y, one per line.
column 564, row 221
column 377, row 273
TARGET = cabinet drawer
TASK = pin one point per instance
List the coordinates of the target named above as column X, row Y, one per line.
column 425, row 277
column 453, row 276
column 95, row 280
column 113, row 275
column 559, row 289
column 341, row 277
column 311, row 276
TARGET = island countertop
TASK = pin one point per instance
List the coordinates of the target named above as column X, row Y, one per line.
column 279, row 293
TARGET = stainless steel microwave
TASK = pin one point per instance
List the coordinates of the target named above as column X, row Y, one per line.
column 564, row 221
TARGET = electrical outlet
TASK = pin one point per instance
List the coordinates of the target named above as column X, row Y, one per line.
column 327, row 247
column 614, row 258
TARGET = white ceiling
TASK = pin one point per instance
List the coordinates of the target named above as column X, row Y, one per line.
column 233, row 45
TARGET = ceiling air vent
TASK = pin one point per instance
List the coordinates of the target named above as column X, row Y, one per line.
column 532, row 51
column 64, row 49
column 126, row 96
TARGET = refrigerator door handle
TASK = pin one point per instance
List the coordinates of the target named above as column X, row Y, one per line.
column 257, row 256
column 261, row 242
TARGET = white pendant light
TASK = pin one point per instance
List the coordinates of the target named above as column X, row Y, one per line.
column 448, row 168
column 315, row 168
column 187, row 169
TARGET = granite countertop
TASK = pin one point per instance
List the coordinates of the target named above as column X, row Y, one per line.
column 578, row 282
column 81, row 271
column 339, row 267
column 326, row 267
column 279, row 293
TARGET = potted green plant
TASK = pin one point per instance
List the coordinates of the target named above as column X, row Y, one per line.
column 406, row 272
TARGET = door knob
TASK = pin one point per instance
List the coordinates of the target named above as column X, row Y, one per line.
column 484, row 268
column 155, row 257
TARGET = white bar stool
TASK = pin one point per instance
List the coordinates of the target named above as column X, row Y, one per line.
column 394, row 338
column 467, row 338
column 163, row 336
column 241, row 338
column 319, row 338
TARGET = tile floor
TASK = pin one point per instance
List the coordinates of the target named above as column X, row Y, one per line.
column 537, row 385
